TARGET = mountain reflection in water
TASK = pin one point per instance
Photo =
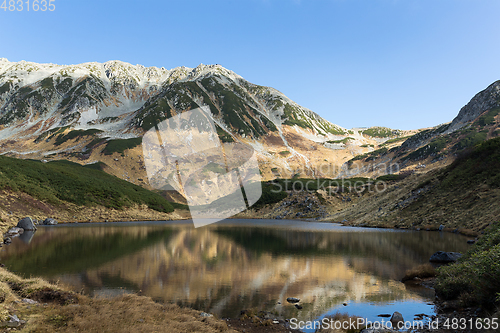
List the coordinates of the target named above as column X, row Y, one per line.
column 234, row 265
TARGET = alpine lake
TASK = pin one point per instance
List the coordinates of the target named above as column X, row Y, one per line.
column 239, row 264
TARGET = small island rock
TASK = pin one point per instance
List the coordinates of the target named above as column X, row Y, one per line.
column 396, row 319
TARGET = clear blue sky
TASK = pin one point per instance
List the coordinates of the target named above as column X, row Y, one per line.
column 398, row 63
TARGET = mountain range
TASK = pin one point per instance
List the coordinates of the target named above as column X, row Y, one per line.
column 98, row 112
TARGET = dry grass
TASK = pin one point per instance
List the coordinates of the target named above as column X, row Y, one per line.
column 423, row 271
column 128, row 313
column 60, row 310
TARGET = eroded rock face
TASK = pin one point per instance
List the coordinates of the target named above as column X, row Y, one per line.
column 445, row 257
column 485, row 100
column 26, row 224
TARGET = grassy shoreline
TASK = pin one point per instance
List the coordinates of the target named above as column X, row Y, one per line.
column 57, row 309
column 68, row 311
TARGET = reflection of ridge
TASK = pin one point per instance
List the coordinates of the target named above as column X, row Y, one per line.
column 106, row 281
column 368, row 253
column 81, row 251
column 224, row 270
column 200, row 264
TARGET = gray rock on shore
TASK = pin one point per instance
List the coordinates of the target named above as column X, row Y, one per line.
column 14, row 321
column 14, row 232
column 49, row 221
column 26, row 224
column 445, row 257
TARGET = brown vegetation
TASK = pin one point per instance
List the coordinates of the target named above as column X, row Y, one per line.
column 422, row 272
column 59, row 310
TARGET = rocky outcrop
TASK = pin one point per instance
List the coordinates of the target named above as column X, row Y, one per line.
column 445, row 257
column 487, row 99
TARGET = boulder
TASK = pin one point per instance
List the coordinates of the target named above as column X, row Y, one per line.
column 26, row 224
column 396, row 319
column 49, row 221
column 15, row 231
column 293, row 300
column 445, row 257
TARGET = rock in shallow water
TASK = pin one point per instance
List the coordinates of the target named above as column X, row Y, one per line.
column 445, row 257
column 293, row 300
column 26, row 224
column 397, row 319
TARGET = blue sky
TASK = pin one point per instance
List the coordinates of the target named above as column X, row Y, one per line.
column 399, row 63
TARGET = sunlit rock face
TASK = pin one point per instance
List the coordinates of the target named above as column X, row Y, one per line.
column 39, row 103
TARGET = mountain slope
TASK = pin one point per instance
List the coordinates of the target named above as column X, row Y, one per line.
column 75, row 112
column 436, row 147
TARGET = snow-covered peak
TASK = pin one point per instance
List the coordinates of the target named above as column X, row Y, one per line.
column 4, row 63
column 113, row 71
column 202, row 71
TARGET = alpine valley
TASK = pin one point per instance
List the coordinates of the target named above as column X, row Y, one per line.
column 96, row 114
column 71, row 149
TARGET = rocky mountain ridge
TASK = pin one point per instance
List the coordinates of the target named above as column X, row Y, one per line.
column 436, row 147
column 73, row 112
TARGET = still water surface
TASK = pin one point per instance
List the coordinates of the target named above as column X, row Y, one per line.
column 239, row 264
